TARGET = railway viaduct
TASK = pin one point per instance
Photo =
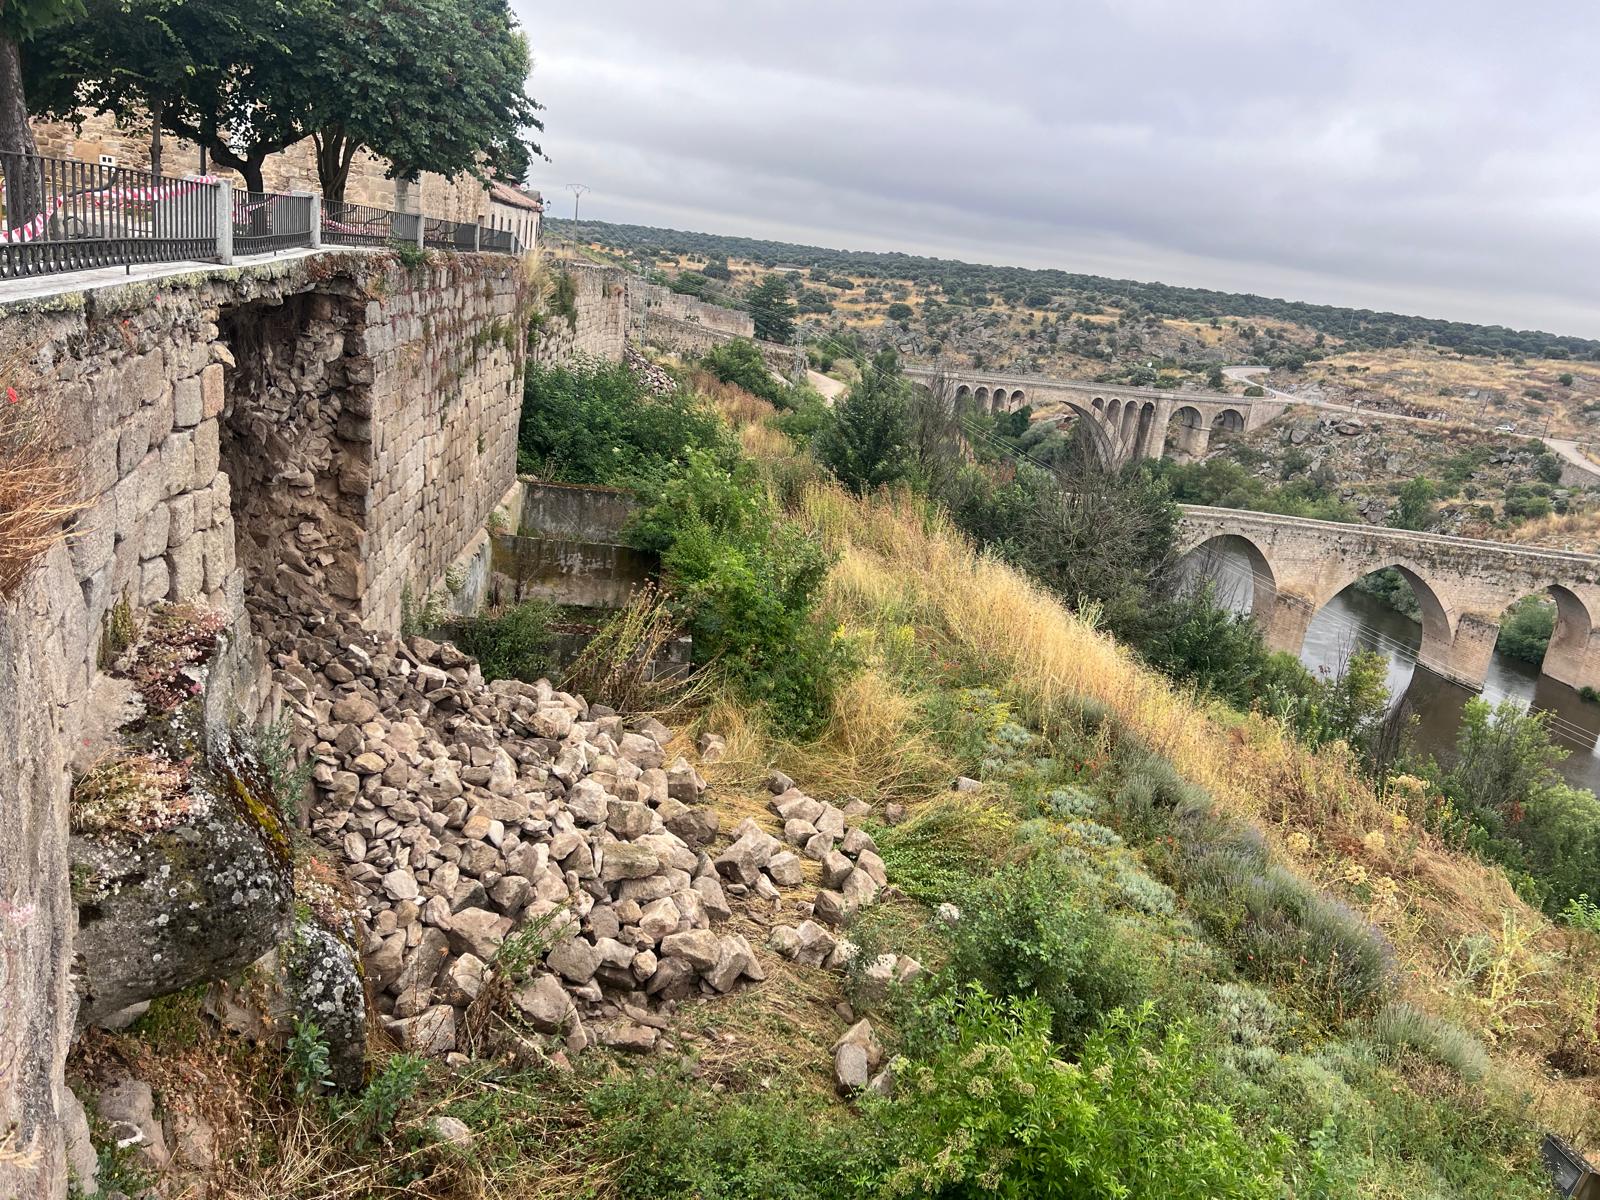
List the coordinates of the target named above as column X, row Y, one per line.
column 1128, row 423
column 1462, row 585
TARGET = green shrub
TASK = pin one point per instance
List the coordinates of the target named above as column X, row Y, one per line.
column 739, row 362
column 673, row 1137
column 1034, row 929
column 1400, row 1027
column 597, row 423
column 308, row 1061
column 745, row 581
column 932, row 856
column 1277, row 927
column 510, row 643
column 385, row 1095
column 1526, row 628
column 991, row 1110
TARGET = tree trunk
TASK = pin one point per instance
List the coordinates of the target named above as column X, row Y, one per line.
column 16, row 135
column 155, row 136
column 336, row 150
column 24, row 190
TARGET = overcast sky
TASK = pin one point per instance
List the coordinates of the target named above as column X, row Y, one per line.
column 1422, row 156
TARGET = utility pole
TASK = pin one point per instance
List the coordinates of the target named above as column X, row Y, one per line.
column 577, row 190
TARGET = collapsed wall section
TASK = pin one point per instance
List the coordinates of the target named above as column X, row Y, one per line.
column 323, row 432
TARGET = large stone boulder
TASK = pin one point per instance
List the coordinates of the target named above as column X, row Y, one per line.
column 204, row 893
column 322, row 984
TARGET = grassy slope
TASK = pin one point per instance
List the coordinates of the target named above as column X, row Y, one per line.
column 929, row 618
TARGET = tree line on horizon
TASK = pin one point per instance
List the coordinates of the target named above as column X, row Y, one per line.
column 978, row 284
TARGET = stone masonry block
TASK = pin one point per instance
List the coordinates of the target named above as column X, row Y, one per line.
column 212, row 392
column 153, row 533
column 178, row 461
column 181, row 523
column 95, row 538
column 187, row 403
column 155, row 581
column 207, row 454
column 187, row 564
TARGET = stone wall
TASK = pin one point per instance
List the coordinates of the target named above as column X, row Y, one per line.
column 598, row 327
column 651, row 301
column 292, row 170
column 573, row 512
column 319, row 433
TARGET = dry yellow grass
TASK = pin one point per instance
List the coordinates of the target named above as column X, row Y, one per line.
column 902, row 564
column 38, row 487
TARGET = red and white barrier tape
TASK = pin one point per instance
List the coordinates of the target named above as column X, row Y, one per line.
column 100, row 198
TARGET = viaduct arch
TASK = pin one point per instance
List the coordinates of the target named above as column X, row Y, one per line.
column 1463, row 586
column 1129, row 423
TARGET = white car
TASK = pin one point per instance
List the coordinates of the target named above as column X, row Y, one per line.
column 1505, row 428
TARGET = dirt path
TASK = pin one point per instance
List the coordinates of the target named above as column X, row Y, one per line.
column 830, row 387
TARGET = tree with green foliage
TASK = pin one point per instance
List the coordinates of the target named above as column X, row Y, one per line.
column 432, row 85
column 1414, row 505
column 867, row 445
column 772, row 309
column 899, row 312
column 739, row 362
column 1526, row 628
column 22, row 22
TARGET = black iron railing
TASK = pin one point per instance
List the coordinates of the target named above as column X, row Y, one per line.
column 266, row 222
column 62, row 215
column 359, row 225
column 448, row 235
column 499, row 241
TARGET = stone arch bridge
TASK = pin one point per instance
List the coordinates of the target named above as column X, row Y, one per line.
column 1463, row 586
column 1127, row 423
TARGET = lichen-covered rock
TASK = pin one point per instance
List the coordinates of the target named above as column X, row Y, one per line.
column 180, row 861
column 157, row 911
column 322, row 982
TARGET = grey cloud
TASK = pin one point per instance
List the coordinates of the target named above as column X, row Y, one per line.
column 1431, row 157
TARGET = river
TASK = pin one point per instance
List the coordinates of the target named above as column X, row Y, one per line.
column 1354, row 621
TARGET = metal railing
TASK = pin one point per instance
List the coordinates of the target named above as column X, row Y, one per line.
column 59, row 215
column 449, row 235
column 361, row 225
column 266, row 222
column 499, row 241
column 62, row 215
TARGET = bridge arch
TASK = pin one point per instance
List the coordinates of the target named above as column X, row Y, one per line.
column 1187, row 434
column 1439, row 624
column 1563, row 658
column 1228, row 420
column 1255, row 578
column 980, row 396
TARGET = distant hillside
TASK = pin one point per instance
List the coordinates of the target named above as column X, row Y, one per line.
column 977, row 285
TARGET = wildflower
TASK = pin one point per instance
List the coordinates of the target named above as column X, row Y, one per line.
column 1400, row 822
column 11, row 395
column 1354, row 873
column 1298, row 843
column 1375, row 842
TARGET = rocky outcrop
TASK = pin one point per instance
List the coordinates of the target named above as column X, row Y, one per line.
column 180, row 862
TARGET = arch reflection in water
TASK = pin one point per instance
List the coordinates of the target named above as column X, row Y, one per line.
column 1353, row 621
